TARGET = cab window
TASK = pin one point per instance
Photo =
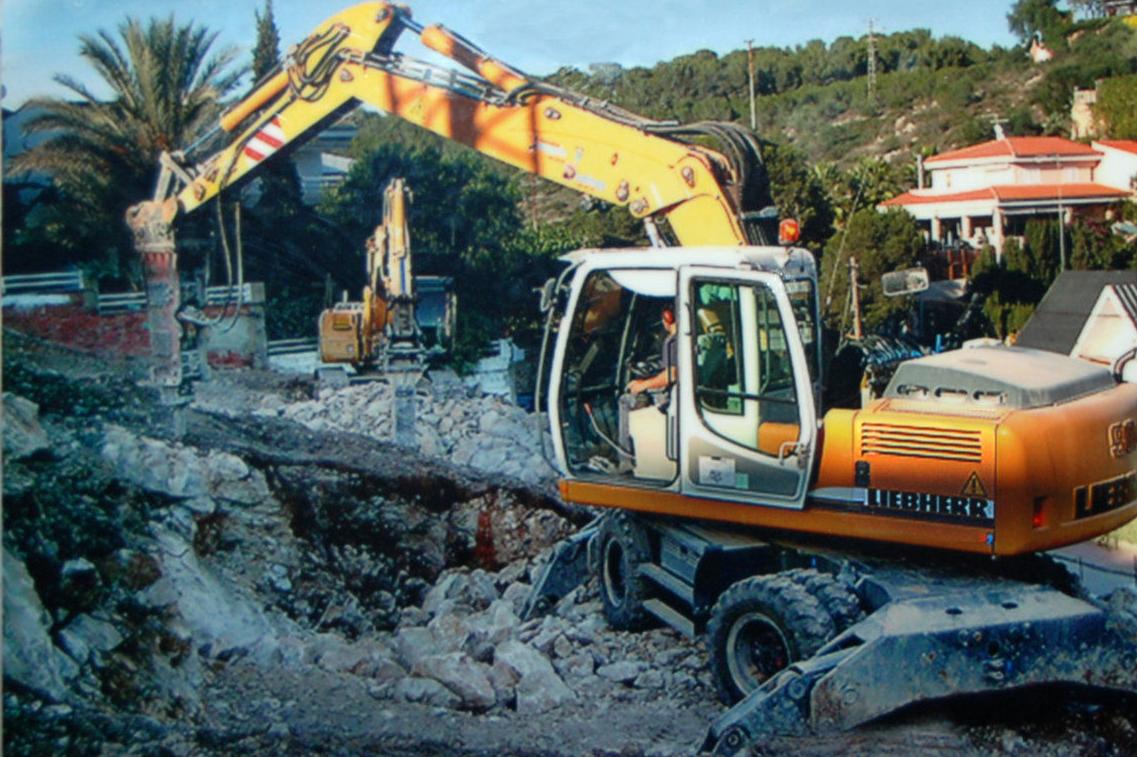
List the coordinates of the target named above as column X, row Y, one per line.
column 743, row 373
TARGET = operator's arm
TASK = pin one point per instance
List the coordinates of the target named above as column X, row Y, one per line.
column 659, row 381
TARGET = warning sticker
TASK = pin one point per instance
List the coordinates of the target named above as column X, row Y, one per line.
column 717, row 471
column 974, row 487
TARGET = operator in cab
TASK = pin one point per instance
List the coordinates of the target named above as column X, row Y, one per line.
column 670, row 353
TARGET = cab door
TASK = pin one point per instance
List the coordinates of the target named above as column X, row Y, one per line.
column 747, row 424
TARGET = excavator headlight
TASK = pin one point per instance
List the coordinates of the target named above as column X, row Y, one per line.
column 789, row 231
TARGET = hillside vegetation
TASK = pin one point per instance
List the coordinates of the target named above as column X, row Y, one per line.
column 931, row 94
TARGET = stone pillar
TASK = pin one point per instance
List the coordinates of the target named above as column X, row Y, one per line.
column 162, row 300
column 965, row 228
column 154, row 241
column 937, row 229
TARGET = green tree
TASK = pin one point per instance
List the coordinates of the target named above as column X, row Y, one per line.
column 1095, row 247
column 799, row 193
column 266, row 53
column 279, row 209
column 1042, row 17
column 1117, row 106
column 103, row 155
column 464, row 222
column 880, row 243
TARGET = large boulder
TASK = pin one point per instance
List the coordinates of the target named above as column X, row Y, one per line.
column 414, row 643
column 426, row 691
column 365, row 658
column 30, row 659
column 86, row 636
column 538, row 686
column 23, row 434
column 463, row 676
column 220, row 620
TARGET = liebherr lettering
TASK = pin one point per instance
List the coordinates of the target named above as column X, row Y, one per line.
column 938, row 506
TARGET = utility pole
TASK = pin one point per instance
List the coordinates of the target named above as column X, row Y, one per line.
column 750, row 69
column 872, row 62
column 1061, row 229
column 855, row 299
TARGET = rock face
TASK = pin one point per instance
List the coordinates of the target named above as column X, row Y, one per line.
column 30, row 659
column 181, row 472
column 211, row 566
column 23, row 434
column 220, row 621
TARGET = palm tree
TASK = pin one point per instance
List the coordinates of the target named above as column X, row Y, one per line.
column 166, row 87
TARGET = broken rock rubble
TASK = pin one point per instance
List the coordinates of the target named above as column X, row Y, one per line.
column 468, row 428
column 468, row 638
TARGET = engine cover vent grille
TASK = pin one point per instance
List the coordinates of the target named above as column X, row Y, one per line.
column 921, row 441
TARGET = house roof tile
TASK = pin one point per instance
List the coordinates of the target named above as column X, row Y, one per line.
column 1126, row 145
column 1012, row 193
column 1016, row 147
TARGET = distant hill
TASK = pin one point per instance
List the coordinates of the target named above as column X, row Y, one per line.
column 931, row 94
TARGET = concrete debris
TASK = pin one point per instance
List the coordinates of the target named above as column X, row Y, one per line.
column 23, row 434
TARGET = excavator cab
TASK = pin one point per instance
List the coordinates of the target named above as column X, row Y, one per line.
column 739, row 423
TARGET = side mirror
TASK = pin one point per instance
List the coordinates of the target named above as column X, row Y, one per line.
column 908, row 281
column 548, row 295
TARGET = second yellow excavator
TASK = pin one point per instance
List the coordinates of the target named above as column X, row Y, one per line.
column 380, row 331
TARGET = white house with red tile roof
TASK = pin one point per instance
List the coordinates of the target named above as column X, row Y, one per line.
column 987, row 192
column 1118, row 167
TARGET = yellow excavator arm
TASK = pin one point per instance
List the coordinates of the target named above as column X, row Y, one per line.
column 586, row 145
column 653, row 168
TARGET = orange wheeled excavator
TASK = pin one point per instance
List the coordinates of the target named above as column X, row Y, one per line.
column 841, row 564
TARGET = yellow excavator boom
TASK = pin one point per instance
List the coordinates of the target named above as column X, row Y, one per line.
column 585, row 145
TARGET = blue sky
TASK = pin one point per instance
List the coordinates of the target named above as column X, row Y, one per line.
column 39, row 38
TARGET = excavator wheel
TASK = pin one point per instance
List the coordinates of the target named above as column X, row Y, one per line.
column 758, row 627
column 623, row 546
column 836, row 596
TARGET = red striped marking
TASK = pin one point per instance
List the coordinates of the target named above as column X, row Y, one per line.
column 269, row 139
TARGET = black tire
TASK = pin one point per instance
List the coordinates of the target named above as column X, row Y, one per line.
column 758, row 627
column 623, row 546
column 836, row 596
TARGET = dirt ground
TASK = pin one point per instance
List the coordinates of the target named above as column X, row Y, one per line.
column 249, row 707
